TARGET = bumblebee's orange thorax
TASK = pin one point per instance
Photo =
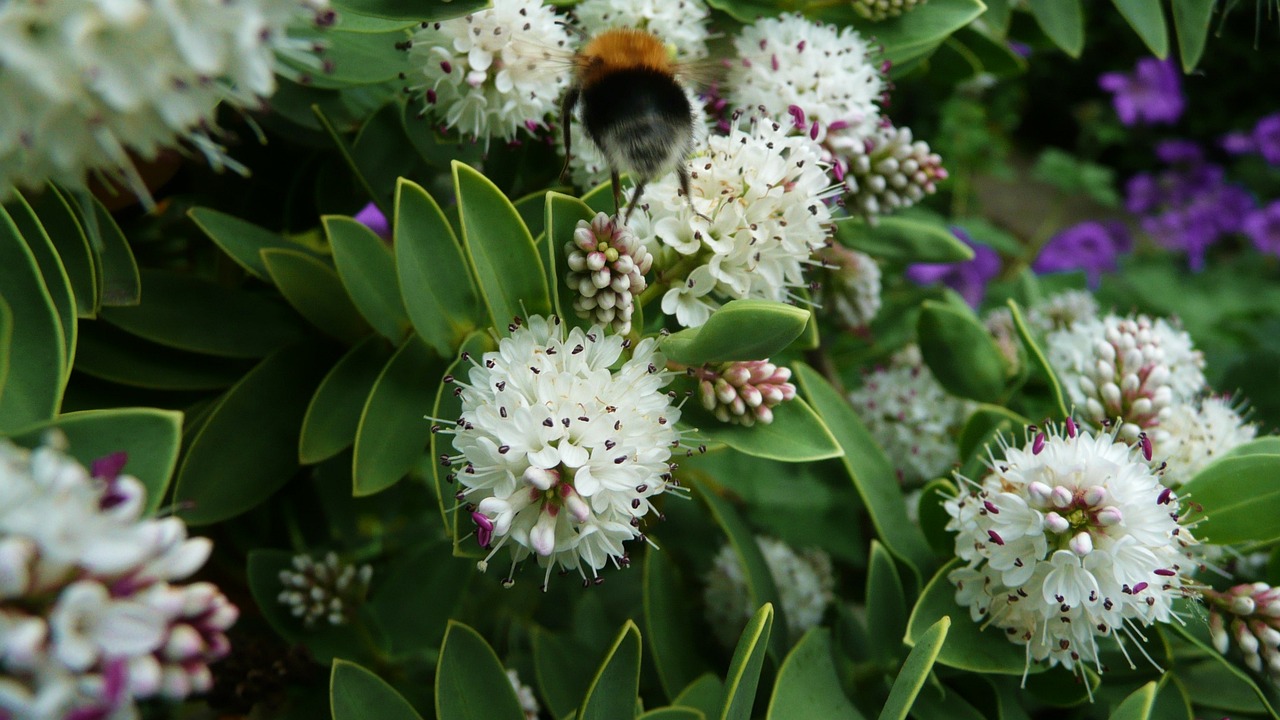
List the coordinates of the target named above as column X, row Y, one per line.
column 621, row 49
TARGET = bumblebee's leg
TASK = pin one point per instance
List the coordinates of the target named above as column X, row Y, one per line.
column 635, row 200
column 682, row 172
column 617, row 191
column 567, row 105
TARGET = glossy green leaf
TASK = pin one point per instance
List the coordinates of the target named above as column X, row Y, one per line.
column 357, row 694
column 108, row 353
column 773, row 326
column 1146, row 17
column 913, row 35
column 1219, row 683
column 438, row 290
column 673, row 713
column 368, row 271
column 1138, row 705
column 241, row 240
column 960, row 352
column 444, row 411
column 1062, row 21
column 563, row 668
column 872, row 474
column 188, row 313
column 562, row 216
column 1036, row 356
column 248, row 447
column 982, row 421
column 903, row 240
column 119, row 283
column 744, row 670
column 345, row 151
column 79, row 261
column 886, row 606
column 416, row 595
column 316, row 292
column 471, row 683
column 930, row 703
column 796, row 434
column 1060, row 690
column 1172, row 701
column 933, row 516
column 705, row 694
column 970, row 648
column 378, row 150
column 352, row 58
column 414, row 10
column 612, row 693
column 1191, row 24
column 1269, row 445
column 6, row 341
column 333, row 416
column 323, row 641
column 1240, row 497
column 149, row 436
column 52, row 271
column 37, row 346
column 393, row 433
column 915, row 670
column 671, row 638
column 808, row 685
column 501, row 251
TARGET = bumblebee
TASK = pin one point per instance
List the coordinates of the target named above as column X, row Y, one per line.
column 634, row 108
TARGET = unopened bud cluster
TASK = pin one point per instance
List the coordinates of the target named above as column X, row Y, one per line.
column 850, row 287
column 895, row 172
column 744, row 392
column 607, row 265
column 328, row 590
column 1248, row 616
column 877, row 10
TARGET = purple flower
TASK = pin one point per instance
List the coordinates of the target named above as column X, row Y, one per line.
column 1179, row 152
column 968, row 278
column 1152, row 94
column 371, row 217
column 1091, row 246
column 1238, row 143
column 1266, row 136
column 1263, row 228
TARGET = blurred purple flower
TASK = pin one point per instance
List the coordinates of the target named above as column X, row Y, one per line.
column 1238, row 143
column 968, row 278
column 1179, row 152
column 1266, row 136
column 1091, row 246
column 1263, row 228
column 1152, row 94
column 1020, row 49
column 371, row 217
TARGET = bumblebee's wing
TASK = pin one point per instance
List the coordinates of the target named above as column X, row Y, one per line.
column 703, row 72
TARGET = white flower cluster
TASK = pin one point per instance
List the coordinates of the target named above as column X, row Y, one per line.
column 850, row 286
column 329, row 589
column 89, row 621
column 524, row 693
column 760, row 197
column 89, row 85
column 1056, row 312
column 911, row 416
column 744, row 392
column 607, row 265
column 560, row 455
column 805, row 582
column 682, row 24
column 1195, row 434
column 1249, row 615
column 485, row 74
column 1069, row 538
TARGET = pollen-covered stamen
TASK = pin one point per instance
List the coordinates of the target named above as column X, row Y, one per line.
column 607, row 267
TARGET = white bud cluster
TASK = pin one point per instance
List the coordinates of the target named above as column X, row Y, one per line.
column 877, row 10
column 895, row 172
column 744, row 392
column 329, row 589
column 607, row 265
column 1248, row 616
column 850, row 287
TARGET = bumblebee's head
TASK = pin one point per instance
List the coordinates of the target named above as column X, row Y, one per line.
column 622, row 49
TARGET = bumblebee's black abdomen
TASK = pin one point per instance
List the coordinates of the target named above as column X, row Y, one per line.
column 640, row 119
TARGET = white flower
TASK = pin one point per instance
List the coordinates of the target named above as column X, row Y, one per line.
column 911, row 416
column 1133, row 369
column 1062, row 310
column 89, row 621
column 850, row 287
column 760, row 194
column 329, row 589
column 1195, row 436
column 559, row 455
column 485, row 74
column 682, row 24
column 524, row 693
column 607, row 265
column 1068, row 538
column 805, row 583
column 91, row 84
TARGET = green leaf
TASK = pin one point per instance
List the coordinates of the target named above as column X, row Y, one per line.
column 672, row 640
column 357, row 694
column 119, row 283
column 501, row 251
column 6, row 341
column 413, row 10
column 1146, row 17
column 903, row 240
column 562, row 216
column 80, row 262
column 37, row 346
column 393, row 432
column 1240, row 497
column 808, row 685
column 1062, row 21
column 148, row 436
column 333, row 416
column 563, row 668
column 942, row 702
column 248, row 447
column 980, row 424
column 960, row 352
column 241, row 240
column 705, row 694
column 316, row 292
column 773, row 326
column 447, row 407
column 1269, row 445
column 913, row 35
column 368, row 271
column 1138, row 705
column 438, row 290
column 188, row 313
column 324, row 641
column 612, row 694
column 744, row 669
column 914, row 671
column 352, row 58
column 970, row 648
column 870, row 470
column 1191, row 24
column 56, row 282
column 1172, row 701
column 673, row 713
column 934, row 518
column 886, row 607
column 108, row 353
column 1036, row 356
column 471, row 683
column 378, row 150
column 416, row 595
column 796, row 434
column 1219, row 683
